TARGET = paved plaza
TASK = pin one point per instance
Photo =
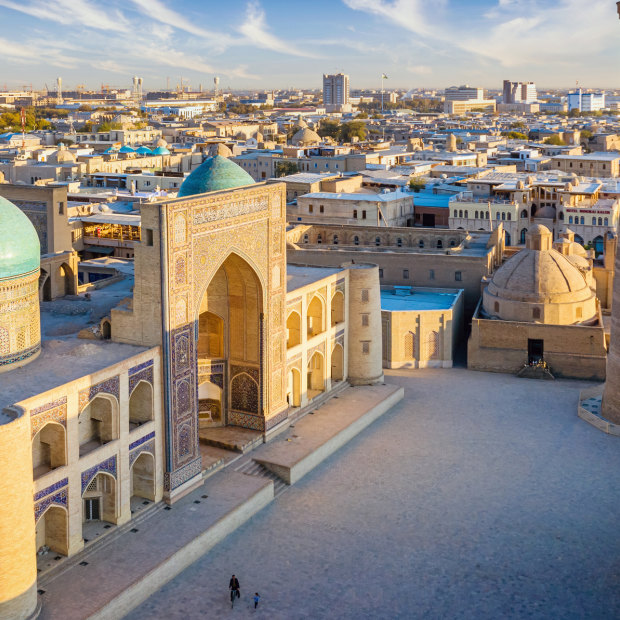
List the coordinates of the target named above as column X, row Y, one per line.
column 478, row 496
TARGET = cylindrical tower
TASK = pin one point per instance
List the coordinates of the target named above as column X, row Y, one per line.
column 20, row 328
column 610, row 407
column 365, row 352
column 18, row 566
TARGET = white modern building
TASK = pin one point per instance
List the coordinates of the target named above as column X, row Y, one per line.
column 586, row 102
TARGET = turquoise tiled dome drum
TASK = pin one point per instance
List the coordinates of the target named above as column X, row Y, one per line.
column 215, row 173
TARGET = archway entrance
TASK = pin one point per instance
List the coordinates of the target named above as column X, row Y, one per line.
column 337, row 363
column 51, row 531
column 98, row 504
column 65, row 275
column 229, row 336
column 316, row 377
column 45, row 286
column 143, row 477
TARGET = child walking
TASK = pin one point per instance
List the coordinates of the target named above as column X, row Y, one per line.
column 256, row 599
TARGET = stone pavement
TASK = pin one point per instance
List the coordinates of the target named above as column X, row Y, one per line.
column 110, row 580
column 479, row 496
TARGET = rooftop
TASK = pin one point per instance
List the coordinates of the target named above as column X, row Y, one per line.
column 409, row 298
column 298, row 276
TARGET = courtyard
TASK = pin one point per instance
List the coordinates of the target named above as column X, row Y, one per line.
column 479, row 496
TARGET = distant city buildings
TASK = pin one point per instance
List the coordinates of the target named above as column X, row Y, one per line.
column 336, row 89
column 519, row 92
column 586, row 102
column 463, row 99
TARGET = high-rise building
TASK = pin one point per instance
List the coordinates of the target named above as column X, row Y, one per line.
column 586, row 102
column 464, row 93
column 519, row 92
column 336, row 89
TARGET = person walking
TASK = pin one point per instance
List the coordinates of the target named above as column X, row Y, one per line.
column 234, row 588
column 256, row 599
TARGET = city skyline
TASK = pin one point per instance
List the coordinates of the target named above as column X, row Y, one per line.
column 252, row 44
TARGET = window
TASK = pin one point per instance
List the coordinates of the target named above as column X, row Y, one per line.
column 561, row 215
column 503, row 216
column 356, row 240
column 570, row 219
column 365, row 294
column 524, row 213
column 310, row 209
column 536, row 313
column 148, row 236
column 466, row 213
column 306, row 238
column 355, row 213
column 335, row 240
column 365, row 320
column 421, row 243
column 61, row 208
column 460, row 213
column 456, row 213
column 380, row 273
column 377, row 240
column 476, row 214
column 497, row 215
column 593, row 221
column 405, row 274
column 458, row 276
column 600, row 221
column 431, row 274
column 583, row 220
column 319, row 238
column 509, row 217
column 321, row 209
column 399, row 242
column 410, row 346
column 606, row 222
column 363, row 215
column 439, row 243
column 365, row 347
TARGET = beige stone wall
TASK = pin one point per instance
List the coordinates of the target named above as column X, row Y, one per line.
column 570, row 350
column 18, row 569
column 59, row 275
column 587, row 166
column 422, row 339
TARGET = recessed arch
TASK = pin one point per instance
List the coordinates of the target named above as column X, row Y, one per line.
column 244, row 393
column 52, row 529
column 143, row 476
column 293, row 393
column 293, row 328
column 315, row 316
column 337, row 308
column 316, row 375
column 141, row 404
column 337, row 373
column 98, row 423
column 99, row 499
column 49, row 448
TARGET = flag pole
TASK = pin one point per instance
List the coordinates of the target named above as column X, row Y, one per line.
column 382, row 78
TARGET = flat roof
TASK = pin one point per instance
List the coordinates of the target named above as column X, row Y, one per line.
column 387, row 197
column 407, row 298
column 298, row 276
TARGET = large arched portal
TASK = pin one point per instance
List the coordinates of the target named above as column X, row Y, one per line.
column 229, row 335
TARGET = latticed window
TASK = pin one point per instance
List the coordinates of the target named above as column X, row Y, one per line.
column 4, row 341
column 21, row 339
column 410, row 346
column 432, row 345
column 365, row 295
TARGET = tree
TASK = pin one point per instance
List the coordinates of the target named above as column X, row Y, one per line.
column 514, row 135
column 284, row 168
column 586, row 133
column 329, row 128
column 417, row 185
column 353, row 129
column 555, row 141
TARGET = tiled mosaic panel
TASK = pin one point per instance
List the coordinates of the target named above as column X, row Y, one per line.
column 146, row 447
column 109, row 386
column 108, row 466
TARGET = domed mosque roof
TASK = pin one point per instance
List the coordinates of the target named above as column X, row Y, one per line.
column 19, row 242
column 61, row 156
column 539, row 275
column 161, row 150
column 305, row 136
column 215, row 173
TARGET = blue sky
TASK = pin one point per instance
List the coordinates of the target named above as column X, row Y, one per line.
column 280, row 43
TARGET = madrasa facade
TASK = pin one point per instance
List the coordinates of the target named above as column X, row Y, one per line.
column 217, row 331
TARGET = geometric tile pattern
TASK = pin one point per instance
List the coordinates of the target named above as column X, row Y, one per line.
column 54, row 494
column 142, row 372
column 55, row 411
column 109, row 466
column 149, row 447
column 109, row 386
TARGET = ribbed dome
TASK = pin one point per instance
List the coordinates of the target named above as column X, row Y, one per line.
column 540, row 277
column 19, row 242
column 305, row 137
column 215, row 173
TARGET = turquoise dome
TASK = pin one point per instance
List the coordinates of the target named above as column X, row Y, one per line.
column 215, row 173
column 161, row 150
column 19, row 242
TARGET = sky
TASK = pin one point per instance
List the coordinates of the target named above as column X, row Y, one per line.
column 259, row 44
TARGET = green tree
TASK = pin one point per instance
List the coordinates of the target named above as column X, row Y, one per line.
column 329, row 128
column 417, row 185
column 284, row 168
column 353, row 129
column 555, row 141
column 514, row 135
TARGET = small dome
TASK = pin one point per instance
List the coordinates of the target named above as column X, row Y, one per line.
column 61, row 156
column 215, row 173
column 305, row 137
column 161, row 150
column 126, row 149
column 219, row 149
column 19, row 242
column 161, row 142
column 301, row 123
column 144, row 150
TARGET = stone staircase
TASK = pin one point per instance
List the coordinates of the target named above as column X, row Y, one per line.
column 251, row 468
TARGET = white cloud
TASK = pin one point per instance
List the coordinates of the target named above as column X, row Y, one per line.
column 420, row 70
column 255, row 31
column 70, row 12
column 29, row 52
